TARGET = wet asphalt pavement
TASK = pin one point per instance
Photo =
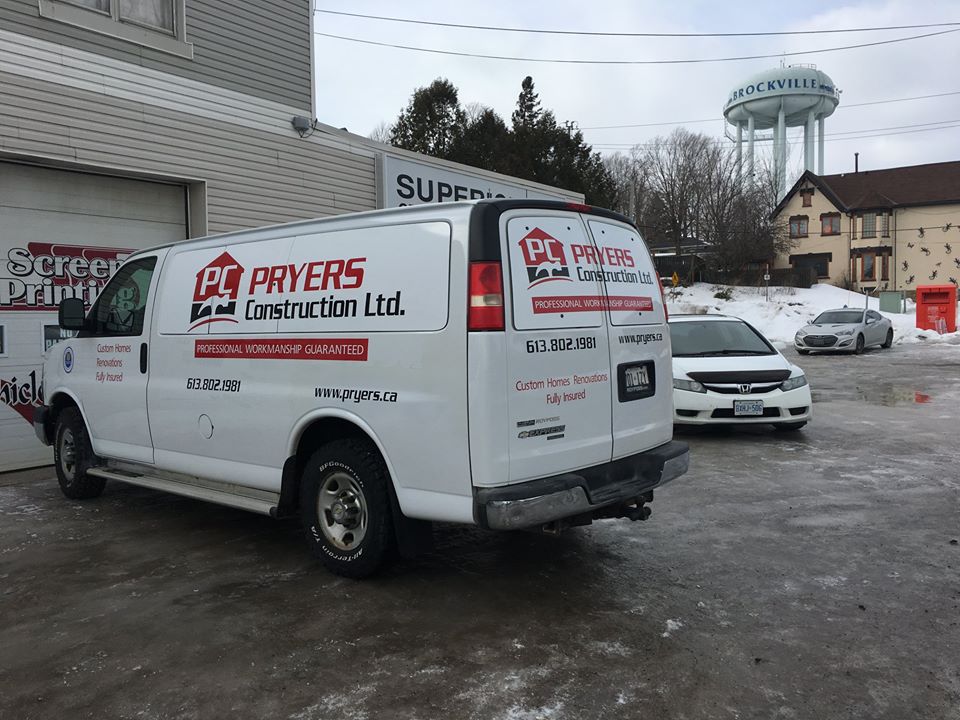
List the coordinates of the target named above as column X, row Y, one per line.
column 805, row 575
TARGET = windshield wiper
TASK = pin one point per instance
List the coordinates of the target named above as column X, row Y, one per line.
column 709, row 353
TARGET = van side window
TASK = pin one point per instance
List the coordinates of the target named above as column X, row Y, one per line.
column 120, row 309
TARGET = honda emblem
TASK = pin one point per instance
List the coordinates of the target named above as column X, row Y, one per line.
column 745, row 388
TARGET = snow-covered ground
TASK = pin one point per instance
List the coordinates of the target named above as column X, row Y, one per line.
column 789, row 309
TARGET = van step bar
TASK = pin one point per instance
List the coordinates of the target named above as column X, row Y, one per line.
column 197, row 492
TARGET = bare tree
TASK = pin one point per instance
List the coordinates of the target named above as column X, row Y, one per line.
column 381, row 133
column 675, row 169
column 688, row 187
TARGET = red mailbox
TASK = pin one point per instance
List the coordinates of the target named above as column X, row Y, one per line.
column 937, row 308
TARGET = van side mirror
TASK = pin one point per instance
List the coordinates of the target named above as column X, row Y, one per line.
column 72, row 315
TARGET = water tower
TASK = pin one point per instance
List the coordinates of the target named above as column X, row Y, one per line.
column 777, row 99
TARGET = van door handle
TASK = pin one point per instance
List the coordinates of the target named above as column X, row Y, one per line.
column 143, row 358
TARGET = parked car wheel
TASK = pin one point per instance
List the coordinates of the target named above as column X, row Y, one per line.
column 889, row 341
column 345, row 507
column 788, row 427
column 73, row 456
column 803, row 352
column 860, row 345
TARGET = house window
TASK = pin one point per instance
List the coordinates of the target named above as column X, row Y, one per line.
column 885, row 225
column 158, row 24
column 807, row 196
column 868, row 270
column 798, row 226
column 830, row 224
column 869, row 225
column 819, row 262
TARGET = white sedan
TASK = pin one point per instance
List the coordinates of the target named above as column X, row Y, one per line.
column 726, row 372
column 844, row 330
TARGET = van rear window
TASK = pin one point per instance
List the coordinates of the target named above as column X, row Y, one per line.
column 553, row 273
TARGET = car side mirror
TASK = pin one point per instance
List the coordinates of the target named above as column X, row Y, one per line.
column 72, row 315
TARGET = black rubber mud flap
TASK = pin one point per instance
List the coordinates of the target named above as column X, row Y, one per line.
column 414, row 537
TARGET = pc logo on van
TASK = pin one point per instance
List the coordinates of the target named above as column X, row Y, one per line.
column 215, row 294
column 543, row 255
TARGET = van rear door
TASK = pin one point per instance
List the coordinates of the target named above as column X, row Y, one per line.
column 640, row 359
column 558, row 354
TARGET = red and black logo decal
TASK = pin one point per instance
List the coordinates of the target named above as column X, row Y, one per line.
column 215, row 294
column 544, row 257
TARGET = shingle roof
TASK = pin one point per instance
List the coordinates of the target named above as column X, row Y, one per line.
column 931, row 184
column 935, row 183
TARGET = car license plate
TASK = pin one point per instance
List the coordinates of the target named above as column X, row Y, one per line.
column 747, row 407
column 636, row 381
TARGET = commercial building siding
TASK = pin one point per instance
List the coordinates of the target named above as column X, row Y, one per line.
column 258, row 48
column 89, row 110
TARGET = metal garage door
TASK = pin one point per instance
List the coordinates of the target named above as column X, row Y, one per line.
column 61, row 235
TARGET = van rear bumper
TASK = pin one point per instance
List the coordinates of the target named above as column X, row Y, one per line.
column 562, row 496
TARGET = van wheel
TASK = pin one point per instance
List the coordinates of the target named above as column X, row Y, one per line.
column 73, row 456
column 346, row 509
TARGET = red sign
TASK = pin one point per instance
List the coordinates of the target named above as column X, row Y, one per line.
column 284, row 349
column 590, row 303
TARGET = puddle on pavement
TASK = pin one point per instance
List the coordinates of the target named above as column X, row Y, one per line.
column 880, row 394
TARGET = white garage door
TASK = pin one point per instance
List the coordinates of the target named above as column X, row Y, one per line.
column 61, row 235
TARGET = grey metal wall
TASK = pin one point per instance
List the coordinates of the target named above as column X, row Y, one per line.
column 258, row 47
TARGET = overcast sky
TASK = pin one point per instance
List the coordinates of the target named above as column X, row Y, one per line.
column 359, row 86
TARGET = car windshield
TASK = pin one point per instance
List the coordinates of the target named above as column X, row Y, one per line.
column 839, row 317
column 716, row 337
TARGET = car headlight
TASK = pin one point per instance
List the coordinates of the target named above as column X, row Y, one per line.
column 791, row 383
column 691, row 385
column 800, row 334
column 845, row 332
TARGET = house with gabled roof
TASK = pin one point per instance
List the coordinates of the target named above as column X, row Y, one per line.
column 889, row 229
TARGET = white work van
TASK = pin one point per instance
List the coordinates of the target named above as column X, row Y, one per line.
column 502, row 363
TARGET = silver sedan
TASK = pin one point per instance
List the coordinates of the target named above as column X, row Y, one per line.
column 844, row 330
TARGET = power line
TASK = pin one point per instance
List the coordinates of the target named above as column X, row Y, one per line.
column 675, row 61
column 827, row 138
column 714, row 119
column 586, row 33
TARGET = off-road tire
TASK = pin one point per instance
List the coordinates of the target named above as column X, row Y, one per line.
column 351, row 472
column 789, row 427
column 858, row 348
column 73, row 456
column 889, row 341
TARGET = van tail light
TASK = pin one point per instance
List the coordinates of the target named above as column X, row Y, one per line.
column 485, row 310
column 663, row 297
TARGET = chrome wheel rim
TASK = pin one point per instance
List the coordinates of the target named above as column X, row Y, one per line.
column 68, row 453
column 342, row 510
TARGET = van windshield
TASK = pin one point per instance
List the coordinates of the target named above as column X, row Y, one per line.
column 717, row 337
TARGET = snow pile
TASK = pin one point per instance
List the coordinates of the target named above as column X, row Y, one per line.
column 789, row 309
